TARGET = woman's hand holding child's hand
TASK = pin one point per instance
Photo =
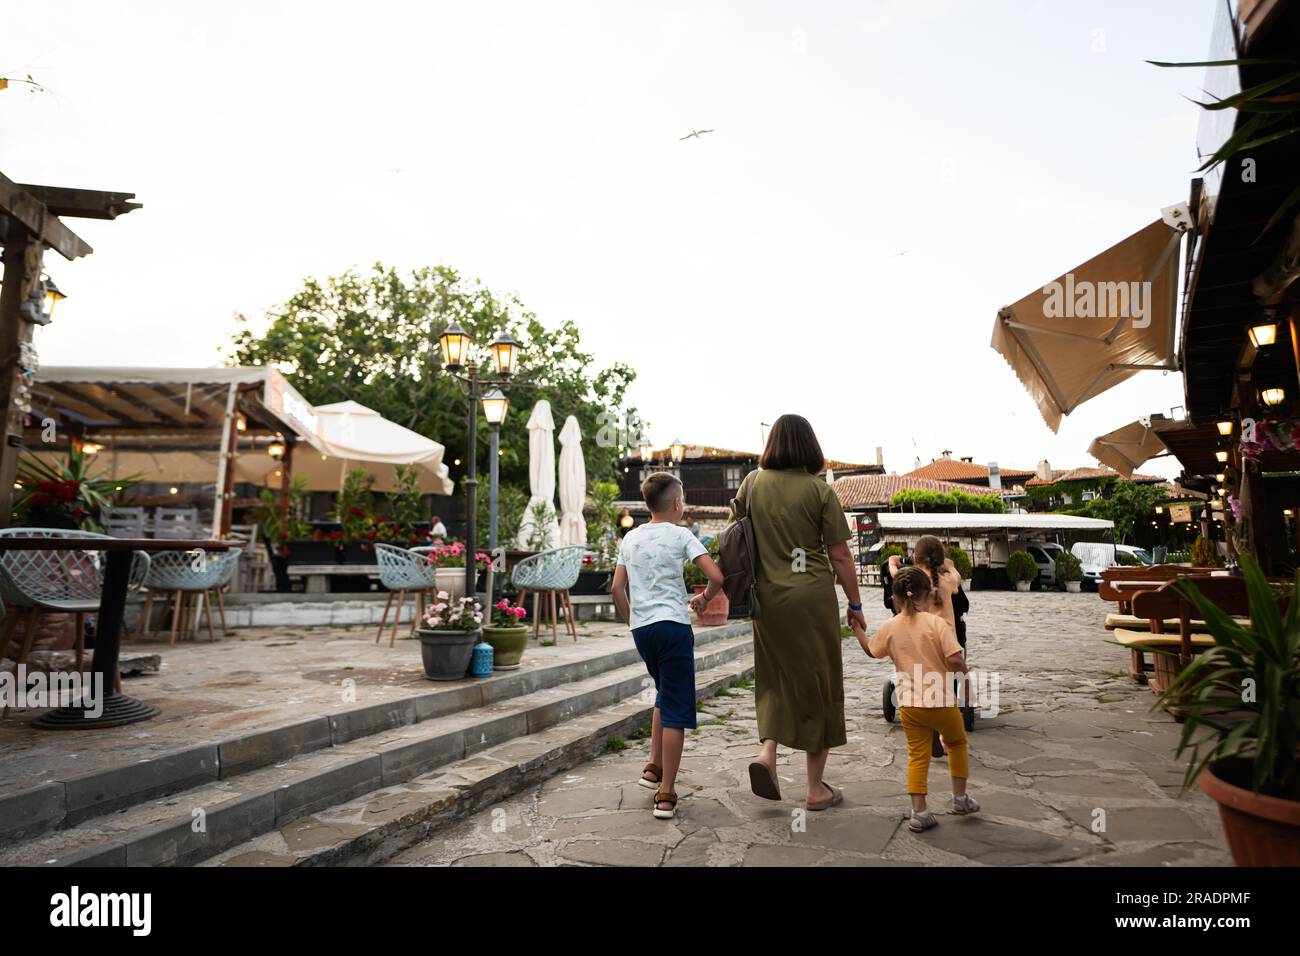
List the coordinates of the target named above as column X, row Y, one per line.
column 699, row 603
column 860, row 633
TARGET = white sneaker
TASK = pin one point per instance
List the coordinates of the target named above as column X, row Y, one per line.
column 963, row 805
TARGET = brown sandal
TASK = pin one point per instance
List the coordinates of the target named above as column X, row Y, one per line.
column 763, row 781
column 834, row 799
column 654, row 769
column 669, row 798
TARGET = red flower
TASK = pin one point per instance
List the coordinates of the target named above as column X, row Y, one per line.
column 356, row 512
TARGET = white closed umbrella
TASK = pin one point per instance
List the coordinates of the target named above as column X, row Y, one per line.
column 541, row 475
column 573, row 484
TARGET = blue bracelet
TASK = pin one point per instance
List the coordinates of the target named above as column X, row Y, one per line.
column 855, row 607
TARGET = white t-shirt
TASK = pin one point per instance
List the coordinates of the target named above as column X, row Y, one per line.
column 654, row 555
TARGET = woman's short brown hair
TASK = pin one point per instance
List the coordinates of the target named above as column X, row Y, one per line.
column 792, row 443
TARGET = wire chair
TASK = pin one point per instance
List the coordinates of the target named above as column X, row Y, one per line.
column 550, row 574
column 191, row 577
column 37, row 582
column 402, row 570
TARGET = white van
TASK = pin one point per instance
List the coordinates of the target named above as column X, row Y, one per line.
column 1096, row 556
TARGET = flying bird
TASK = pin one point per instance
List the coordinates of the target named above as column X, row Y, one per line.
column 696, row 133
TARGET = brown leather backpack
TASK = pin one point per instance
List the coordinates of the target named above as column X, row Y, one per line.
column 738, row 555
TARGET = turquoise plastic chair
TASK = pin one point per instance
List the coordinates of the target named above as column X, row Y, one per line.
column 549, row 575
column 188, row 575
column 36, row 582
column 401, row 570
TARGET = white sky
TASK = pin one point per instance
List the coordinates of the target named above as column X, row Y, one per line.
column 748, row 273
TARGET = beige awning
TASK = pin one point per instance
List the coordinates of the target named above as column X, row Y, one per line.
column 1095, row 326
column 1127, row 448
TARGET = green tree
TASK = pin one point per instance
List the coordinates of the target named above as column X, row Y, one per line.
column 372, row 336
column 1130, row 504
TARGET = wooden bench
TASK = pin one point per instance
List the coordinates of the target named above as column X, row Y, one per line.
column 317, row 575
column 1172, row 652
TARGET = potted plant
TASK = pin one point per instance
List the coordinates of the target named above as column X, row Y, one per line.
column 357, row 524
column 448, row 633
column 63, row 494
column 1022, row 569
column 507, row 634
column 597, row 573
column 961, row 561
column 1069, row 571
column 1204, row 554
column 1242, row 723
column 450, row 562
column 716, row 611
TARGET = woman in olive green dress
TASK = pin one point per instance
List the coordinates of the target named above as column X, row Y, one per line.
column 801, row 533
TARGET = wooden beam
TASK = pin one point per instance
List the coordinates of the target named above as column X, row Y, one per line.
column 82, row 203
column 25, row 209
column 22, row 270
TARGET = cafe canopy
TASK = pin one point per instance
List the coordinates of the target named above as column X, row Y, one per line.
column 1097, row 325
column 225, row 425
column 1127, row 448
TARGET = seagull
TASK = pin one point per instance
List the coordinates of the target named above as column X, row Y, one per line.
column 696, row 133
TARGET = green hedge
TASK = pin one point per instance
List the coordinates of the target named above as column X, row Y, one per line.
column 938, row 501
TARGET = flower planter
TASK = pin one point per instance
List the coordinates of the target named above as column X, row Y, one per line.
column 311, row 551
column 967, row 585
column 715, row 612
column 451, row 580
column 1072, row 587
column 1023, row 585
column 592, row 582
column 508, row 646
column 1261, row 830
column 446, row 654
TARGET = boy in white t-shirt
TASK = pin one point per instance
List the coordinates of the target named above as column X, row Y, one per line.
column 650, row 594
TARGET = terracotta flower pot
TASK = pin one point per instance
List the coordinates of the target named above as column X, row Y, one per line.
column 508, row 646
column 1261, row 830
column 446, row 654
column 715, row 612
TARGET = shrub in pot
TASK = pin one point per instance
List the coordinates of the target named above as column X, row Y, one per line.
column 1021, row 569
column 1242, row 723
column 961, row 561
column 447, row 635
column 1069, row 571
column 507, row 634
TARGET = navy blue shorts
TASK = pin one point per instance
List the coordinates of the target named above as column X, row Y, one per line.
column 668, row 649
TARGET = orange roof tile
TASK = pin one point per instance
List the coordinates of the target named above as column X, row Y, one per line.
column 951, row 469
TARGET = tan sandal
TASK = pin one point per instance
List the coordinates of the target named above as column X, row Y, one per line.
column 669, row 798
column 654, row 769
column 836, row 797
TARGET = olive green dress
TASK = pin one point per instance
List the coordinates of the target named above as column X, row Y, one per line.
column 799, row 679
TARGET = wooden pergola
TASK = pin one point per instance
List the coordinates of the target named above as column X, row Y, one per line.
column 30, row 223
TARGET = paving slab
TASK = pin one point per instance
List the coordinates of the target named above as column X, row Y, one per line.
column 1069, row 738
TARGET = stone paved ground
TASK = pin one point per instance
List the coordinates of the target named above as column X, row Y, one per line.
column 1075, row 745
column 252, row 679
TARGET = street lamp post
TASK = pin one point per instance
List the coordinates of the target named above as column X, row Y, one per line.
column 456, row 347
column 495, row 406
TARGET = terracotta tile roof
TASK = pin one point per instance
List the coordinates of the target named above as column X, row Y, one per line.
column 951, row 469
column 867, row 491
column 1091, row 474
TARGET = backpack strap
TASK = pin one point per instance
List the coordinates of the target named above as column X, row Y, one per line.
column 740, row 506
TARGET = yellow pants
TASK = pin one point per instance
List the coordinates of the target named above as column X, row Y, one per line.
column 919, row 723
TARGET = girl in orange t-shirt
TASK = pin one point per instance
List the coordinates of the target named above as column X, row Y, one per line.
column 924, row 650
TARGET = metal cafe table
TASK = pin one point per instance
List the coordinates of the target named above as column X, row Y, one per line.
column 118, row 708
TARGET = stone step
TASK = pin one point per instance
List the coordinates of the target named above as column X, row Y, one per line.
column 378, row 825
column 77, row 798
column 209, row 816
